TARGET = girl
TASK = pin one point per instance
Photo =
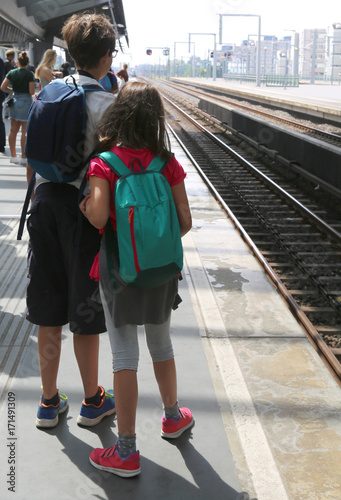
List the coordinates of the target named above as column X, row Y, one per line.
column 45, row 72
column 134, row 127
column 20, row 81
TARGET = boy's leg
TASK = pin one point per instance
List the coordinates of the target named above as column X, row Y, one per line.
column 49, row 347
column 97, row 404
column 86, row 349
column 52, row 404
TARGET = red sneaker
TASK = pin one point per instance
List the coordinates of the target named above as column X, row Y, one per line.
column 174, row 428
column 109, row 460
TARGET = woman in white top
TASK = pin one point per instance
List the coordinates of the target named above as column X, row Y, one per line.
column 44, row 71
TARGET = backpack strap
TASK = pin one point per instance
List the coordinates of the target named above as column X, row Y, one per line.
column 115, row 163
column 157, row 164
column 25, row 206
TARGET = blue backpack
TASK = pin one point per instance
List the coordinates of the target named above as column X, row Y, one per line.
column 148, row 233
column 56, row 135
column 56, row 130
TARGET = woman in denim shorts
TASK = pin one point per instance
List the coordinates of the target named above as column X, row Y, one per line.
column 20, row 81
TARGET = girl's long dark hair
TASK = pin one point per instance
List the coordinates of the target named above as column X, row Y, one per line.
column 135, row 120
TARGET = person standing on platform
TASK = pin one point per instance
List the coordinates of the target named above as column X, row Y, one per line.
column 45, row 72
column 123, row 75
column 10, row 62
column 2, row 98
column 20, row 81
column 65, row 69
column 109, row 82
column 134, row 129
column 59, row 289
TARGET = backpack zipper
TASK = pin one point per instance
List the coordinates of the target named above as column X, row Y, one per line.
column 131, row 214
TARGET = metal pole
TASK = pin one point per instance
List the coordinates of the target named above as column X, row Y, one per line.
column 332, row 72
column 286, row 66
column 296, row 52
column 193, row 61
column 258, row 53
column 215, row 59
column 220, row 28
column 313, row 59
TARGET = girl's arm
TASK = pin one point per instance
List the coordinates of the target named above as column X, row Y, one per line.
column 6, row 85
column 182, row 207
column 31, row 87
column 96, row 207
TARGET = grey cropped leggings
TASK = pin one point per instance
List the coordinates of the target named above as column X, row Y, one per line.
column 125, row 347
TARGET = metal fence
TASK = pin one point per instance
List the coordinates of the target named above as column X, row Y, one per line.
column 267, row 80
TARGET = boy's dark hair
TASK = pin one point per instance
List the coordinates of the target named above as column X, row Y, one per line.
column 23, row 58
column 136, row 120
column 88, row 37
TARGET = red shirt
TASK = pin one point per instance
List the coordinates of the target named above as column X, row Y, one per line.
column 173, row 171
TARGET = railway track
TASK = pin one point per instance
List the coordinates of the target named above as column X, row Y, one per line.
column 273, row 116
column 297, row 240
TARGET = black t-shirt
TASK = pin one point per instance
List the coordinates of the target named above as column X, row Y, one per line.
column 8, row 66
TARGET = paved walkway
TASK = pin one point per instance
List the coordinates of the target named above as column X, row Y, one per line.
column 320, row 96
column 55, row 464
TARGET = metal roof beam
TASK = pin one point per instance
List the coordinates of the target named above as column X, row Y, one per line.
column 18, row 18
column 46, row 10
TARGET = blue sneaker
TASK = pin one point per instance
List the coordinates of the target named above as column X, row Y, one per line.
column 48, row 416
column 91, row 415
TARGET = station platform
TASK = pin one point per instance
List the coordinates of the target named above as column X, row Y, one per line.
column 321, row 100
column 266, row 409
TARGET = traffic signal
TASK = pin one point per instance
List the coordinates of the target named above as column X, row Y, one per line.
column 149, row 52
column 212, row 54
column 229, row 55
column 165, row 52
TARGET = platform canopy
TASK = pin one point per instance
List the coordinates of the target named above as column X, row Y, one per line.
column 42, row 20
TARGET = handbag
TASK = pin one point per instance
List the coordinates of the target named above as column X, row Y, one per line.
column 9, row 101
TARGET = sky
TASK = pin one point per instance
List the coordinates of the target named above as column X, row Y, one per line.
column 154, row 23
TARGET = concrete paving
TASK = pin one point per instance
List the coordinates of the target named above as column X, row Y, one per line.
column 55, row 463
column 266, row 408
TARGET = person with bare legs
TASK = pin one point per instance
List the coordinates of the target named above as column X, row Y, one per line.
column 134, row 130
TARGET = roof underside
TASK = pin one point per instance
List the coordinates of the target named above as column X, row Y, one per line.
column 43, row 19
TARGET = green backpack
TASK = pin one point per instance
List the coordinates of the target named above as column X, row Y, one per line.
column 148, row 242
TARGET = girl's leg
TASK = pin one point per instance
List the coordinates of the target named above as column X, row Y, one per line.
column 49, row 347
column 23, row 138
column 126, row 394
column 12, row 136
column 165, row 374
column 161, row 350
column 175, row 420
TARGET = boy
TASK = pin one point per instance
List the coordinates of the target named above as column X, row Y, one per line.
column 59, row 289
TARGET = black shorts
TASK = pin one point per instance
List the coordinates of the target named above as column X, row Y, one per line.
column 60, row 290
